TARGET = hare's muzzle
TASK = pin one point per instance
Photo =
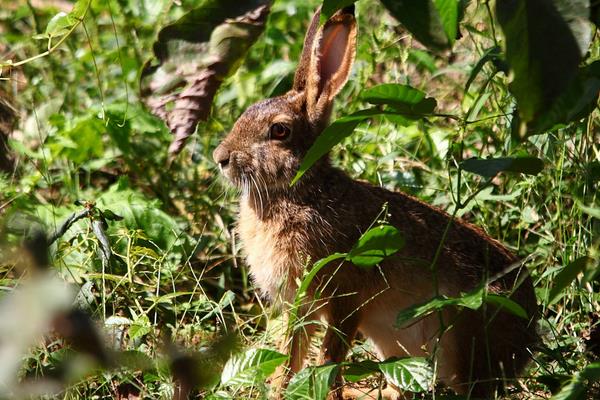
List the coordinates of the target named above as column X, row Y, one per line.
column 221, row 156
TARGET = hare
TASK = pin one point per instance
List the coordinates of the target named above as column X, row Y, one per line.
column 283, row 227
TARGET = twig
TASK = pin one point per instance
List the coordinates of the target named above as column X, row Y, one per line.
column 67, row 224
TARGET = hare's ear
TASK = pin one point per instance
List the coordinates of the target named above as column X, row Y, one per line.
column 331, row 58
column 302, row 71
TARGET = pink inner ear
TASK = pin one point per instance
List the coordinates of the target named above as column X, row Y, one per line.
column 333, row 49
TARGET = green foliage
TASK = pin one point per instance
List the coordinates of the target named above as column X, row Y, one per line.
column 251, row 367
column 471, row 96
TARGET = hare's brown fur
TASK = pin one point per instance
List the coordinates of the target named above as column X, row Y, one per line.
column 283, row 227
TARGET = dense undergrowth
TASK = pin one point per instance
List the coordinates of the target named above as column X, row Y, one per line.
column 154, row 261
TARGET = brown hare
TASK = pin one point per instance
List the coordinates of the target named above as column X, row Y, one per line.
column 284, row 228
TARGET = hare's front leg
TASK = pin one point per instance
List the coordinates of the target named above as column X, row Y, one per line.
column 342, row 329
column 296, row 346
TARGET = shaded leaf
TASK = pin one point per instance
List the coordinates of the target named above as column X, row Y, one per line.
column 490, row 167
column 251, row 366
column 411, row 374
column 432, row 22
column 375, row 245
column 331, row 6
column 545, row 41
column 311, row 383
column 567, row 275
column 404, row 99
column 357, row 371
column 577, row 101
column 193, row 56
column 490, row 55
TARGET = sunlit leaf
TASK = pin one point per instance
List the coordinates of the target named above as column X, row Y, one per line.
column 375, row 245
column 404, row 99
column 332, row 135
column 410, row 374
column 251, row 366
column 311, row 383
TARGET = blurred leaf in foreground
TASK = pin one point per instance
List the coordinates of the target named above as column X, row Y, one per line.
column 545, row 42
column 193, row 56
column 432, row 22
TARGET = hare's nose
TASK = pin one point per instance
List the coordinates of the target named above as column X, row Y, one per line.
column 221, row 156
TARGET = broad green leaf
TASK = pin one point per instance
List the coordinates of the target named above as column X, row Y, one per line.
column 354, row 372
column 331, row 6
column 140, row 327
column 251, row 366
column 311, row 383
column 404, row 99
column 545, row 42
column 576, row 102
column 472, row 300
column 410, row 374
column 332, row 135
column 574, row 390
column 448, row 13
column 577, row 386
column 506, row 304
column 58, row 25
column 432, row 22
column 567, row 275
column 591, row 211
column 193, row 56
column 375, row 245
column 490, row 167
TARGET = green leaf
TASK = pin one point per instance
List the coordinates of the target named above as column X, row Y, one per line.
column 311, row 383
column 432, row 22
column 567, row 275
column 140, row 327
column 506, row 304
column 251, row 366
column 58, row 25
column 472, row 300
column 576, row 102
column 492, row 54
column 375, row 245
column 331, row 6
column 490, row 167
column 545, row 42
column 411, row 374
column 193, row 56
column 448, row 12
column 405, row 99
column 332, row 135
column 355, row 372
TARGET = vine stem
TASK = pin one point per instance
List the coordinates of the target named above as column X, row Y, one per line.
column 51, row 49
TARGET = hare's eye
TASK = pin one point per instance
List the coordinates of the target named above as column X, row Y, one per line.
column 279, row 131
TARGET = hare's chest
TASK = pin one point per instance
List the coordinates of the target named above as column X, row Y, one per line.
column 272, row 256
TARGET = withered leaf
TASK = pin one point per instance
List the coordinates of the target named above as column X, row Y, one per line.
column 193, row 56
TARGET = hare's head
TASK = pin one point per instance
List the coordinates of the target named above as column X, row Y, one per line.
column 266, row 145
